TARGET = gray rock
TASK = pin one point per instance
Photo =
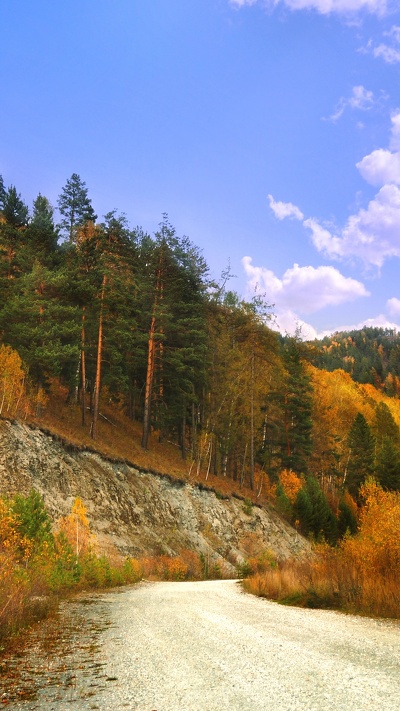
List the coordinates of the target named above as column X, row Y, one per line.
column 139, row 513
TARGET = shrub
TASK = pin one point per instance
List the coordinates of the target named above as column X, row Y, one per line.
column 361, row 575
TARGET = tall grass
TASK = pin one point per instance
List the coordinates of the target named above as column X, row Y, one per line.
column 361, row 575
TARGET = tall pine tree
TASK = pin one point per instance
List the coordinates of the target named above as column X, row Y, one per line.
column 361, row 445
column 75, row 206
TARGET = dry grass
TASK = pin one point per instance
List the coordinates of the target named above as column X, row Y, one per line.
column 119, row 438
column 331, row 581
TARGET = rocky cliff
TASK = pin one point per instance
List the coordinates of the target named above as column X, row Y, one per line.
column 139, row 512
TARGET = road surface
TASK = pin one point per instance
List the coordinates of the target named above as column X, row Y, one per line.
column 207, row 646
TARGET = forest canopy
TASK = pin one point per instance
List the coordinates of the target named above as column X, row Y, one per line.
column 115, row 314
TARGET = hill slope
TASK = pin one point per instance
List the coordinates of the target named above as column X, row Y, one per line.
column 139, row 512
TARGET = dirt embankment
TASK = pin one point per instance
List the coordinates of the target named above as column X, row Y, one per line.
column 139, row 512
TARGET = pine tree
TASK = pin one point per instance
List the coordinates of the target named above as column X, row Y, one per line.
column 14, row 209
column 361, row 444
column 2, row 193
column 43, row 234
column 175, row 283
column 384, row 425
column 347, row 523
column 75, row 206
column 303, row 511
column 312, row 510
column 13, row 237
column 293, row 427
column 388, row 464
column 40, row 326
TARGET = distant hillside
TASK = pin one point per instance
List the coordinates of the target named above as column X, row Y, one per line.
column 371, row 355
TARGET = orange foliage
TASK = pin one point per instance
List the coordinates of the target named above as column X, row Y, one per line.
column 13, row 550
column 12, row 381
column 291, row 484
column 361, row 575
column 376, row 549
column 349, row 501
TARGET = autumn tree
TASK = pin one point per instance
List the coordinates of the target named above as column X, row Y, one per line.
column 12, row 381
column 241, row 358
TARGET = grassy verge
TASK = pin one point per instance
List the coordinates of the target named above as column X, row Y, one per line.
column 361, row 575
column 329, row 582
column 41, row 562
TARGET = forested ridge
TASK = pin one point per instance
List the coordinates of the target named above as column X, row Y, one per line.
column 121, row 320
column 370, row 355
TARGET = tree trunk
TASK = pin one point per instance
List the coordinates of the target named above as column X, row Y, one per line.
column 98, row 365
column 83, row 369
column 149, row 383
column 151, row 353
column 183, row 444
column 252, row 425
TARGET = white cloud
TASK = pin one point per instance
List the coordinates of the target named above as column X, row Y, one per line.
column 393, row 306
column 390, row 55
column 380, row 321
column 282, row 210
column 288, row 322
column 383, row 166
column 395, row 138
column 361, row 99
column 324, row 7
column 304, row 289
column 242, row 3
column 380, row 167
column 389, row 50
column 372, row 235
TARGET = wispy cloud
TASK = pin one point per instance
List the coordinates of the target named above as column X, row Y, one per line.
column 388, row 50
column 282, row 210
column 301, row 291
column 372, row 234
column 361, row 99
column 324, row 7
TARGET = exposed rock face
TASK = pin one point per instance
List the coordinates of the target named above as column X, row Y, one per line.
column 138, row 512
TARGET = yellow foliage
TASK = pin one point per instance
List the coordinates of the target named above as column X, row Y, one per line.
column 376, row 549
column 12, row 381
column 76, row 528
column 291, row 484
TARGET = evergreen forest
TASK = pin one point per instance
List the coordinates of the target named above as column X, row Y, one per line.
column 131, row 323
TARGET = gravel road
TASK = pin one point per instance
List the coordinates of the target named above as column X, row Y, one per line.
column 208, row 646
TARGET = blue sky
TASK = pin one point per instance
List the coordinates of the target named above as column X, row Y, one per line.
column 268, row 130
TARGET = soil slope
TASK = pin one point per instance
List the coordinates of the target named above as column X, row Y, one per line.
column 138, row 512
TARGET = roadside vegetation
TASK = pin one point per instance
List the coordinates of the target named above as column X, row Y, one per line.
column 359, row 575
column 40, row 562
